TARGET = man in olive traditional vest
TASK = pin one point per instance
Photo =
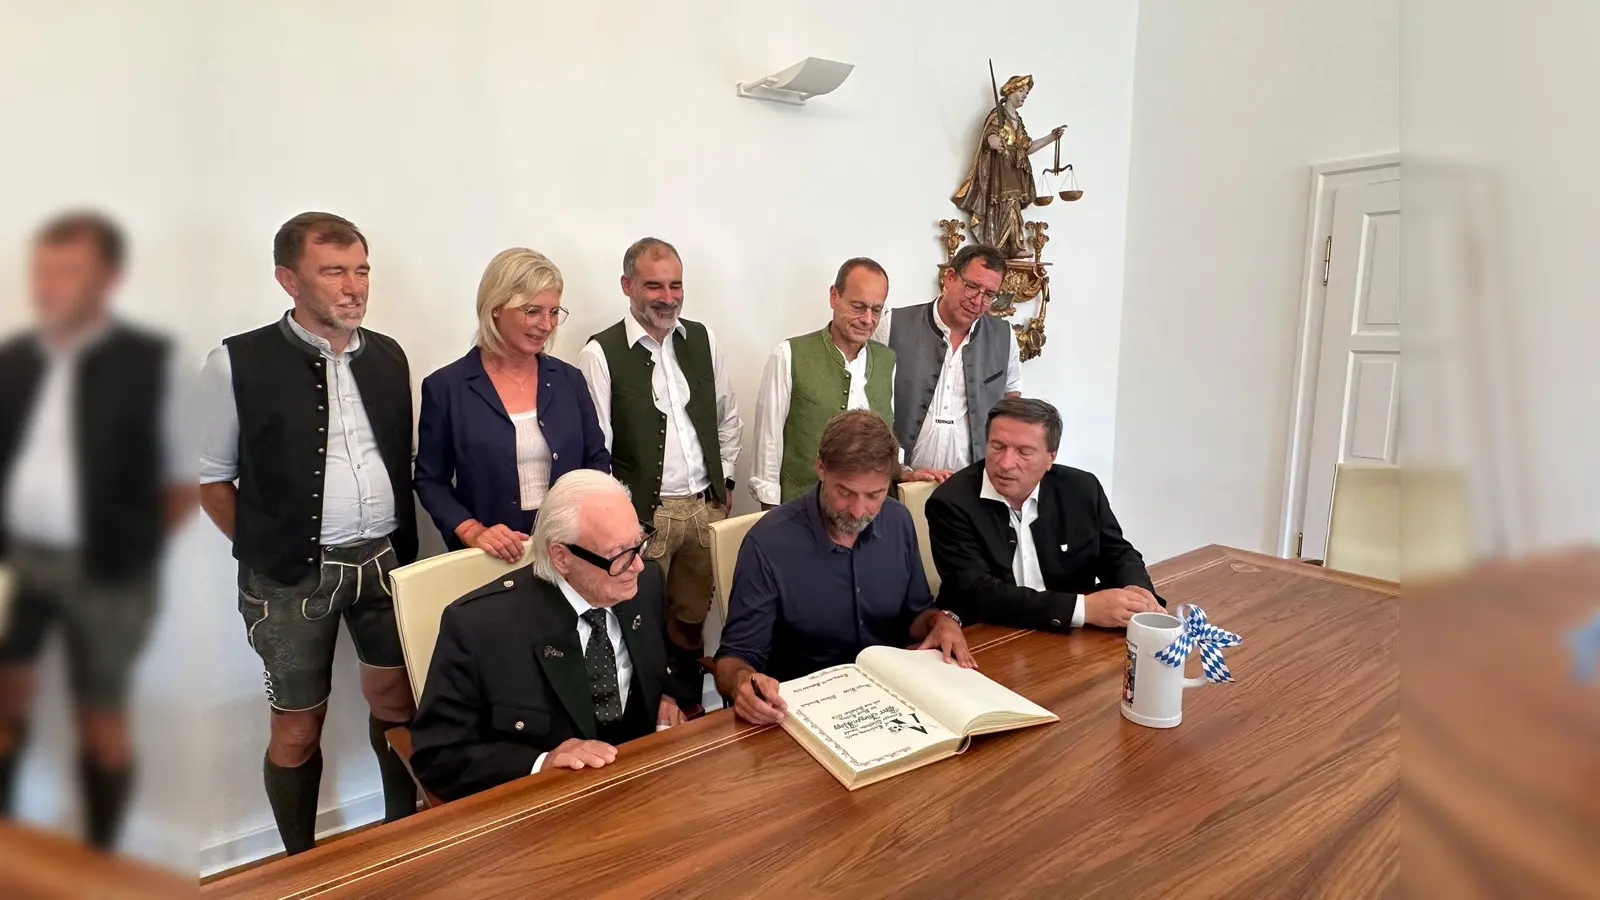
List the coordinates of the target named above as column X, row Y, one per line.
column 305, row 464
column 811, row 378
column 668, row 413
column 95, row 472
column 953, row 363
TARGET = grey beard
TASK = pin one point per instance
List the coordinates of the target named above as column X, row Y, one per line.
column 844, row 523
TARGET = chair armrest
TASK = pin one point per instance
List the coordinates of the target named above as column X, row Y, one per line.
column 399, row 739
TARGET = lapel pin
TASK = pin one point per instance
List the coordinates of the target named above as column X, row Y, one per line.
column 1063, row 548
column 551, row 651
column 637, row 621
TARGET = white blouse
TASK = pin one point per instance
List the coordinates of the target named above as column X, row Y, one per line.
column 533, row 459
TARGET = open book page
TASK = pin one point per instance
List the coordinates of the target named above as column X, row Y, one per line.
column 863, row 721
column 955, row 696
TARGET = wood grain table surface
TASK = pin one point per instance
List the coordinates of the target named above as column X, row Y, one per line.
column 1284, row 783
column 1502, row 753
column 36, row 864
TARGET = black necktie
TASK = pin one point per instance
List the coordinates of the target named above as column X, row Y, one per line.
column 601, row 659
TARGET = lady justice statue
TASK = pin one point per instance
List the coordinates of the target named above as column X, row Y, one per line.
column 999, row 183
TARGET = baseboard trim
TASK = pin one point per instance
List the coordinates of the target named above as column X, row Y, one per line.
column 260, row 843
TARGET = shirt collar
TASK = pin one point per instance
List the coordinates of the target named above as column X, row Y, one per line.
column 579, row 605
column 319, row 343
column 837, row 354
column 77, row 343
column 988, row 492
column 938, row 320
column 635, row 332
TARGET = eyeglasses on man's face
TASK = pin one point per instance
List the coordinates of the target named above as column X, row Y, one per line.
column 622, row 562
column 972, row 290
column 859, row 309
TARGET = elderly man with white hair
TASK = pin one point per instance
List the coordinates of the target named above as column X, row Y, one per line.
column 559, row 662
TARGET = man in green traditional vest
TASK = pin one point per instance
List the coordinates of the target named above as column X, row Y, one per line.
column 662, row 395
column 811, row 378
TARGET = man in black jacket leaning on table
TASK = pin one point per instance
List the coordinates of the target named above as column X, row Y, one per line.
column 1021, row 541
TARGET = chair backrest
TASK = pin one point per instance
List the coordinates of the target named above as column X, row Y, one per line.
column 1364, row 521
column 5, row 598
column 726, row 536
column 914, row 494
column 1435, row 521
column 423, row 589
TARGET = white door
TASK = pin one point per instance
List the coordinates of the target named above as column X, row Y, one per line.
column 1356, row 414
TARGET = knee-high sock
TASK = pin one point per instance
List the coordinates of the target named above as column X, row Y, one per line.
column 8, row 766
column 399, row 791
column 293, row 795
column 105, row 799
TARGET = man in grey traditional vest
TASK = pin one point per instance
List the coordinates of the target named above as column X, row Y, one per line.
column 668, row 413
column 953, row 363
column 811, row 378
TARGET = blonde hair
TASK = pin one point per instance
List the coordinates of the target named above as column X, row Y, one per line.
column 517, row 272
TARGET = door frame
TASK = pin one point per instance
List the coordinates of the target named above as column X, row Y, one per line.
column 1326, row 178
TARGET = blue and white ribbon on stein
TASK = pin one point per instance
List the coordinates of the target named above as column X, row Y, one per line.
column 1585, row 643
column 1158, row 643
column 1196, row 630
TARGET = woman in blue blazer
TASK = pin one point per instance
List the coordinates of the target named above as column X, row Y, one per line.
column 500, row 425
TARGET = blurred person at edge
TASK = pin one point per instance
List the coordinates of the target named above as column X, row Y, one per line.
column 94, row 475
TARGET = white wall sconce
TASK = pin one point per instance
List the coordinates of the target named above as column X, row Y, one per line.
column 798, row 83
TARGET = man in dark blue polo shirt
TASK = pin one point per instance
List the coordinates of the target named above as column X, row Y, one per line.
column 829, row 573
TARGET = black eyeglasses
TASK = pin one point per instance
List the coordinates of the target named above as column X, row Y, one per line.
column 620, row 563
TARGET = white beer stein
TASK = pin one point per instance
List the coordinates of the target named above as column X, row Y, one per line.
column 1152, row 691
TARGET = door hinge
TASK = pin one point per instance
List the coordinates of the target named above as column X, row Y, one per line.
column 1299, row 545
column 1327, row 258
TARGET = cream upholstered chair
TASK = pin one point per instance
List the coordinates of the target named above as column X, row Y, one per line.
column 5, row 597
column 423, row 589
column 1435, row 521
column 914, row 494
column 726, row 536
column 1364, row 522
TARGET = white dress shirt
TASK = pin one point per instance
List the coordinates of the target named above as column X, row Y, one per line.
column 945, row 441
column 618, row 645
column 1025, row 562
column 533, row 459
column 683, row 465
column 358, row 502
column 772, row 413
column 42, row 499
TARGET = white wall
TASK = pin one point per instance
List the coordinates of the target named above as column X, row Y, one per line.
column 1234, row 100
column 1492, row 118
column 451, row 131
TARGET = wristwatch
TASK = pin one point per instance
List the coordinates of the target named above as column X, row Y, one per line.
column 950, row 615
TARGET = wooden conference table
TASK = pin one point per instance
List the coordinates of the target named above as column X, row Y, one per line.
column 1284, row 783
column 36, row 864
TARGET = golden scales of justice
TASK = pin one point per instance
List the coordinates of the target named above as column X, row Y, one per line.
column 998, row 187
